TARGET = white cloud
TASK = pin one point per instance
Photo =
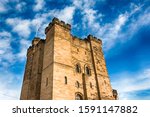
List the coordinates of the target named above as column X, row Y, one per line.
column 20, row 6
column 65, row 14
column 20, row 26
column 41, row 21
column 108, row 32
column 136, row 24
column 7, row 57
column 90, row 15
column 10, row 88
column 24, row 44
column 5, row 48
column 5, row 40
column 111, row 31
column 39, row 4
column 24, row 27
column 3, row 6
column 127, row 83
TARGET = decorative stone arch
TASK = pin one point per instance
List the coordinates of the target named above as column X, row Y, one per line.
column 78, row 96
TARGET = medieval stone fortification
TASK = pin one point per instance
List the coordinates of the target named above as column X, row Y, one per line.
column 65, row 67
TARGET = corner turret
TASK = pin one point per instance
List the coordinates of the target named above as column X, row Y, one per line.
column 58, row 22
column 91, row 37
column 35, row 40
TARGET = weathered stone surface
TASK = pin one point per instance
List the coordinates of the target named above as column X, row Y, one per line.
column 50, row 72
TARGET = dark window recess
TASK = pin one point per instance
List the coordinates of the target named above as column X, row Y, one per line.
column 87, row 70
column 46, row 81
column 65, row 80
column 78, row 68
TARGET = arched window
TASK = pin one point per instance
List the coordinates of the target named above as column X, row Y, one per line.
column 65, row 80
column 77, row 84
column 87, row 70
column 78, row 68
column 78, row 97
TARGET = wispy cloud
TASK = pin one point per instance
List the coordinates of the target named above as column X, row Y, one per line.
column 136, row 24
column 39, row 4
column 41, row 20
column 20, row 26
column 65, row 14
column 3, row 6
column 10, row 88
column 128, row 84
column 89, row 14
column 24, row 44
column 21, row 6
column 111, row 32
column 8, row 5
column 6, row 55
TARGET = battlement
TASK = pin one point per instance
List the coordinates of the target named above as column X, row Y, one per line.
column 94, row 38
column 89, row 37
column 75, row 37
column 115, row 94
column 68, row 27
column 35, row 43
column 35, row 40
column 58, row 22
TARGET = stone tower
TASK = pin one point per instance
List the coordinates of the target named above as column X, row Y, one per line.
column 64, row 67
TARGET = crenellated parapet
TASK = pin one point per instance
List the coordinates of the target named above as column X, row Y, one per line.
column 115, row 94
column 75, row 37
column 36, row 42
column 91, row 37
column 58, row 22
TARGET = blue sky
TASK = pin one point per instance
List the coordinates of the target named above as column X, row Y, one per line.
column 123, row 26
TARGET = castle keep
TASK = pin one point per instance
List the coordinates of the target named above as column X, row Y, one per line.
column 64, row 67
